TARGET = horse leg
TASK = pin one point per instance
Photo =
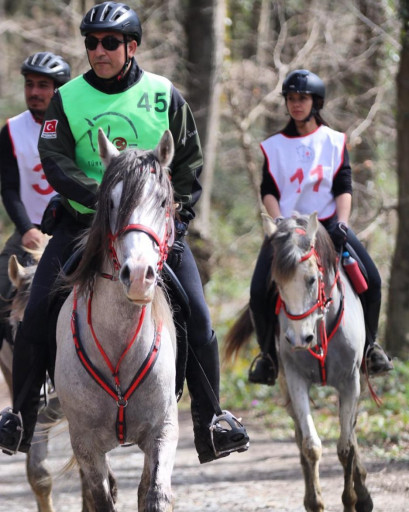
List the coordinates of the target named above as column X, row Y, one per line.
column 154, row 491
column 355, row 496
column 307, row 439
column 38, row 474
column 364, row 502
column 6, row 364
column 87, row 498
column 96, row 476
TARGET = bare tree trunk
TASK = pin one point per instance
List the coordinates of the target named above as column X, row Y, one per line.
column 205, row 36
column 213, row 119
column 397, row 331
column 205, row 30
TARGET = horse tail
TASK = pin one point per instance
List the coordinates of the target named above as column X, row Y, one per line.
column 238, row 335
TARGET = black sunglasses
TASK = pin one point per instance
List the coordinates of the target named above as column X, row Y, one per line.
column 110, row 43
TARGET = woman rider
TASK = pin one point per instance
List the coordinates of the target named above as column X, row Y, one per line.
column 306, row 169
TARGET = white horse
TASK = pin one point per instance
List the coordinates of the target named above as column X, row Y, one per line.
column 320, row 341
column 116, row 342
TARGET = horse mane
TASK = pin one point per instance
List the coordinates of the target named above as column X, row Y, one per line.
column 291, row 241
column 133, row 168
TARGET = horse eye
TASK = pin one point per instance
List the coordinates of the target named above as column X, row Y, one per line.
column 163, row 204
column 311, row 281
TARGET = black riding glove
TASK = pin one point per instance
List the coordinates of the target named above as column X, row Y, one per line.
column 176, row 251
column 339, row 236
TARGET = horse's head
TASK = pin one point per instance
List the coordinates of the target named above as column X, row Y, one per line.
column 298, row 272
column 133, row 224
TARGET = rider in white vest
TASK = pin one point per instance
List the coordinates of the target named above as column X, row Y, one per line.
column 25, row 190
column 306, row 169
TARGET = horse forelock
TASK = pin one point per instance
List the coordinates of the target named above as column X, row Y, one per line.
column 291, row 242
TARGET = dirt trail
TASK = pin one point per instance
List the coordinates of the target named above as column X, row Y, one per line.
column 266, row 478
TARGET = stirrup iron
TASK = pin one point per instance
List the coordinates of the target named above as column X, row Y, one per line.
column 269, row 376
column 7, row 415
column 235, row 427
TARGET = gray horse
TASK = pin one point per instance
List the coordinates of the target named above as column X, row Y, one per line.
column 116, row 343
column 320, row 340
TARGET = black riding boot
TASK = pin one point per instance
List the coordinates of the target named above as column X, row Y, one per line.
column 218, row 435
column 264, row 368
column 17, row 425
column 377, row 362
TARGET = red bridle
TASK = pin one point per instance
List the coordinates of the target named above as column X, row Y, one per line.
column 162, row 244
column 322, row 303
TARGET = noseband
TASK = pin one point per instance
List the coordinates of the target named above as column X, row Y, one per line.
column 162, row 244
column 322, row 302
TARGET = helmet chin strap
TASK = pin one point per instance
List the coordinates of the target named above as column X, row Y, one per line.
column 122, row 73
column 310, row 115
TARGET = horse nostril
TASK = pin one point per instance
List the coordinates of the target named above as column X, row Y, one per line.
column 125, row 275
column 150, row 273
column 309, row 339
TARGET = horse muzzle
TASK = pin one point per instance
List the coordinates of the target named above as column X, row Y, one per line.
column 299, row 342
column 139, row 280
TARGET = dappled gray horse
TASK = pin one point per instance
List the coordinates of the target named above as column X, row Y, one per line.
column 320, row 341
column 116, row 343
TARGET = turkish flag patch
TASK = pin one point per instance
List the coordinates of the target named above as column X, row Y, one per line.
column 50, row 129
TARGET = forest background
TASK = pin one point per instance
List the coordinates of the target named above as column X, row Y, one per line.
column 229, row 58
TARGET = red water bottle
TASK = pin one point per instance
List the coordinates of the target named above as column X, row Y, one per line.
column 354, row 273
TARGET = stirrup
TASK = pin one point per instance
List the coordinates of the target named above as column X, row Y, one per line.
column 236, row 437
column 380, row 367
column 11, row 431
column 266, row 375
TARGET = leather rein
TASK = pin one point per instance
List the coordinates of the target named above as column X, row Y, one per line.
column 115, row 390
column 322, row 304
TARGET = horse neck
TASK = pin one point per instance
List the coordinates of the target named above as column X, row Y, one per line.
column 334, row 292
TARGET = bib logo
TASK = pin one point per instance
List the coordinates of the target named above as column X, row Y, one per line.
column 305, row 153
column 110, row 122
column 120, row 143
column 50, row 129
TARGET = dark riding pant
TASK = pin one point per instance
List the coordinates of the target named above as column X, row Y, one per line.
column 12, row 246
column 33, row 344
column 201, row 339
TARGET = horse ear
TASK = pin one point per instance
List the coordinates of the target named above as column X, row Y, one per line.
column 107, row 150
column 269, row 226
column 165, row 149
column 312, row 226
column 15, row 271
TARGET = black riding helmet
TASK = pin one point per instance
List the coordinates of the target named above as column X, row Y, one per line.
column 303, row 81
column 48, row 64
column 112, row 16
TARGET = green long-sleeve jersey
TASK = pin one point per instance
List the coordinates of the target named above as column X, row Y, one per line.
column 58, row 145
